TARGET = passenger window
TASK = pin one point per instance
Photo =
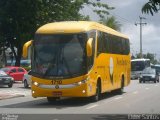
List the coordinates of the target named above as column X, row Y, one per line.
column 13, row 70
column 20, row 70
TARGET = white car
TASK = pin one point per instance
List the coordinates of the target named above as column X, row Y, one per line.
column 27, row 80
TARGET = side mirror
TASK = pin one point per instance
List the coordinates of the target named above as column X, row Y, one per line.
column 25, row 48
column 30, row 72
column 89, row 47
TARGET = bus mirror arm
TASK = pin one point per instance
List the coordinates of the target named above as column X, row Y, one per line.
column 25, row 48
column 89, row 47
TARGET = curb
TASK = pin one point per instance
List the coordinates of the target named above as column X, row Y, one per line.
column 9, row 96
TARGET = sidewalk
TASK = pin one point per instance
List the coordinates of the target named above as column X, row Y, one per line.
column 9, row 95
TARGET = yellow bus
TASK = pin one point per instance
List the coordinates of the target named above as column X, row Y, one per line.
column 78, row 59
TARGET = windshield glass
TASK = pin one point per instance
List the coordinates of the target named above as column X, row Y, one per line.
column 149, row 71
column 59, row 55
column 2, row 73
column 137, row 65
column 5, row 69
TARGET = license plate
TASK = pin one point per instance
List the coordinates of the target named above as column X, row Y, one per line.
column 6, row 81
column 57, row 93
column 146, row 78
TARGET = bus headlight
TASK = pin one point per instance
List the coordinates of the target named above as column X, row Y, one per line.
column 35, row 83
column 80, row 82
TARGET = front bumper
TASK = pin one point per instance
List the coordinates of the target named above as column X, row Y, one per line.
column 5, row 81
column 147, row 79
column 76, row 91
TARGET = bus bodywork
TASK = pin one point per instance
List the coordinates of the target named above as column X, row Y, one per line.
column 78, row 59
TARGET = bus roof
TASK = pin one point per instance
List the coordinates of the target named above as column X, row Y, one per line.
column 141, row 59
column 76, row 27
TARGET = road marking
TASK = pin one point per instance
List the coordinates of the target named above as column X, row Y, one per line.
column 90, row 107
column 147, row 88
column 156, row 85
column 118, row 98
column 135, row 92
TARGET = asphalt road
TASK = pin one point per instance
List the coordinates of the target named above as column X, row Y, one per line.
column 137, row 98
column 17, row 89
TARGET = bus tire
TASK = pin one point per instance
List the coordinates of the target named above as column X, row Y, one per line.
column 52, row 99
column 120, row 90
column 97, row 96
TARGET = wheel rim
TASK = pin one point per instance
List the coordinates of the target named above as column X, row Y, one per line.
column 25, row 83
column 10, row 84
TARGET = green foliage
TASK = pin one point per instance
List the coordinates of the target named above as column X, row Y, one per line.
column 20, row 18
column 101, row 9
column 16, row 23
column 152, row 6
column 150, row 56
column 111, row 22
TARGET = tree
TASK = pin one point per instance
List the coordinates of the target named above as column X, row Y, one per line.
column 150, row 56
column 101, row 9
column 152, row 6
column 111, row 22
column 17, row 23
column 20, row 18
column 2, row 52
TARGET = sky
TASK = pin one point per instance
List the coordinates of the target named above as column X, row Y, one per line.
column 127, row 13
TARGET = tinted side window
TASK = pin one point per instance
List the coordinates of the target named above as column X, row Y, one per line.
column 13, row 70
column 20, row 70
column 100, row 43
column 108, row 43
column 116, row 45
column 127, row 47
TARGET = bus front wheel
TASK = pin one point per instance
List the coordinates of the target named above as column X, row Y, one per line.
column 97, row 96
column 120, row 90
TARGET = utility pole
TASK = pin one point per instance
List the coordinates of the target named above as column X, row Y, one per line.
column 141, row 24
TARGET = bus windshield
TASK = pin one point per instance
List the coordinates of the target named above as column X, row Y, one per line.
column 61, row 55
column 139, row 65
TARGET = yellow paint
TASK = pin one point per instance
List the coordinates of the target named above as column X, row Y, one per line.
column 89, row 47
column 25, row 48
column 100, row 69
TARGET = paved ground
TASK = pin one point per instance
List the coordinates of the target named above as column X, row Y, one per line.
column 139, row 101
column 136, row 99
column 16, row 91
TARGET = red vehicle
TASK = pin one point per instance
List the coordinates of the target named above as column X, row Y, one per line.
column 16, row 72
